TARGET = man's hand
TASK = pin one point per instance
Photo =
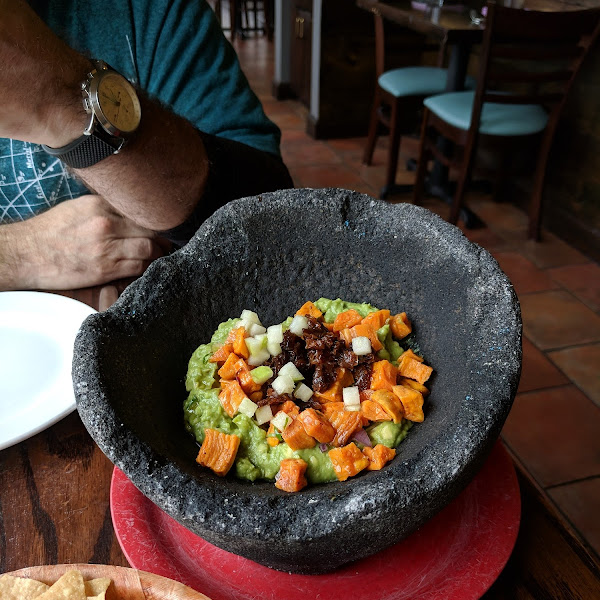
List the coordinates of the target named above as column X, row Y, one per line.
column 78, row 243
column 40, row 100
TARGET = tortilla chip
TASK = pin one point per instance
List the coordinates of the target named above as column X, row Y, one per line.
column 19, row 588
column 68, row 587
column 95, row 589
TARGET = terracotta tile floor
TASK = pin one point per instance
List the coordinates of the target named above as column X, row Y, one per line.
column 554, row 426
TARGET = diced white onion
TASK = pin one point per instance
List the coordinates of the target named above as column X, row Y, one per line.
column 352, row 407
column 361, row 345
column 303, row 392
column 351, row 396
column 281, row 420
column 275, row 334
column 263, row 414
column 283, row 384
column 299, row 324
column 256, row 329
column 247, row 407
column 274, row 348
column 290, row 370
column 259, row 358
column 250, row 317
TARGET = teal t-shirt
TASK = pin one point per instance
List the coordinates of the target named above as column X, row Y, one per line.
column 175, row 50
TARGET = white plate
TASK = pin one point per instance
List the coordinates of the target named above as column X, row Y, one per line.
column 37, row 333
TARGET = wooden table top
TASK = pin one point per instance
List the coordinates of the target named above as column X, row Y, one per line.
column 54, row 509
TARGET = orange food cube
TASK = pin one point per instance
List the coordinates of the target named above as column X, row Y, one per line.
column 390, row 403
column 229, row 368
column 243, row 376
column 415, row 385
column 290, row 408
column 330, row 407
column 222, row 354
column 414, row 369
column 239, row 342
column 346, row 319
column 272, row 438
column 344, row 379
column 400, row 326
column 373, row 411
column 362, row 330
column 383, row 376
column 309, row 309
column 317, row 425
column 347, row 461
column 377, row 319
column 410, row 354
column 291, row 475
column 412, row 401
column 231, row 396
column 218, row 451
column 296, row 437
column 346, row 423
column 378, row 456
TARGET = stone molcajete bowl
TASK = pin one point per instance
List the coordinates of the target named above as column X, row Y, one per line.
column 270, row 254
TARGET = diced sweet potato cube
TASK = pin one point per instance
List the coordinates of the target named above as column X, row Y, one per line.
column 390, row 403
column 414, row 369
column 373, row 411
column 378, row 456
column 344, row 379
column 346, row 423
column 346, row 336
column 243, row 376
column 296, row 437
column 347, row 461
column 362, row 330
column 256, row 396
column 346, row 319
column 328, row 408
column 316, row 425
column 272, row 438
column 222, row 354
column 415, row 385
column 309, row 309
column 328, row 325
column 377, row 319
column 231, row 396
column 290, row 408
column 412, row 401
column 218, row 451
column 239, row 342
column 383, row 376
column 409, row 354
column 229, row 368
column 400, row 326
column 291, row 475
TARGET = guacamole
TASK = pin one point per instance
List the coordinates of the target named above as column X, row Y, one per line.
column 256, row 457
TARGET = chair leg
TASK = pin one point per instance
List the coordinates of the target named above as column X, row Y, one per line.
column 372, row 136
column 394, row 149
column 421, row 162
column 535, row 206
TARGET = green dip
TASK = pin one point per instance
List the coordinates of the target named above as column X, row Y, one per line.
column 255, row 458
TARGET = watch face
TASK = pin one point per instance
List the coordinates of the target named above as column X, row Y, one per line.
column 119, row 103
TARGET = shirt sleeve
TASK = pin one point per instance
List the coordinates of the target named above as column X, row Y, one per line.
column 184, row 60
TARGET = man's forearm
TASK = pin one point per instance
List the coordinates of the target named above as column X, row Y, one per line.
column 158, row 178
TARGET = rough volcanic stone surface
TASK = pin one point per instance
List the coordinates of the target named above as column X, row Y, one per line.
column 270, row 254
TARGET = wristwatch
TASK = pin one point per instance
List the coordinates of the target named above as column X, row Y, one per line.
column 115, row 113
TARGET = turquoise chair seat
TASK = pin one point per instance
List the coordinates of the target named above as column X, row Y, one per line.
column 496, row 119
column 417, row 81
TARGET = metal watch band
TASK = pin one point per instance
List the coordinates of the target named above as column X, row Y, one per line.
column 85, row 151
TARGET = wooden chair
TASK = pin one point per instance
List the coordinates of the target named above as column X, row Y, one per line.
column 528, row 62
column 399, row 93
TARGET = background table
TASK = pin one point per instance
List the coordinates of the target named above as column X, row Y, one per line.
column 54, row 508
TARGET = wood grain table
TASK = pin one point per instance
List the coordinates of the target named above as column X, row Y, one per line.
column 54, row 509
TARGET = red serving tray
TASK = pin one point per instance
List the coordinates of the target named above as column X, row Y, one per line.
column 457, row 555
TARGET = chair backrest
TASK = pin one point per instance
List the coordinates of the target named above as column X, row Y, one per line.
column 387, row 44
column 534, row 55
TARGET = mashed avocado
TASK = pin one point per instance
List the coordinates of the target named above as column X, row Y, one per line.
column 255, row 458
